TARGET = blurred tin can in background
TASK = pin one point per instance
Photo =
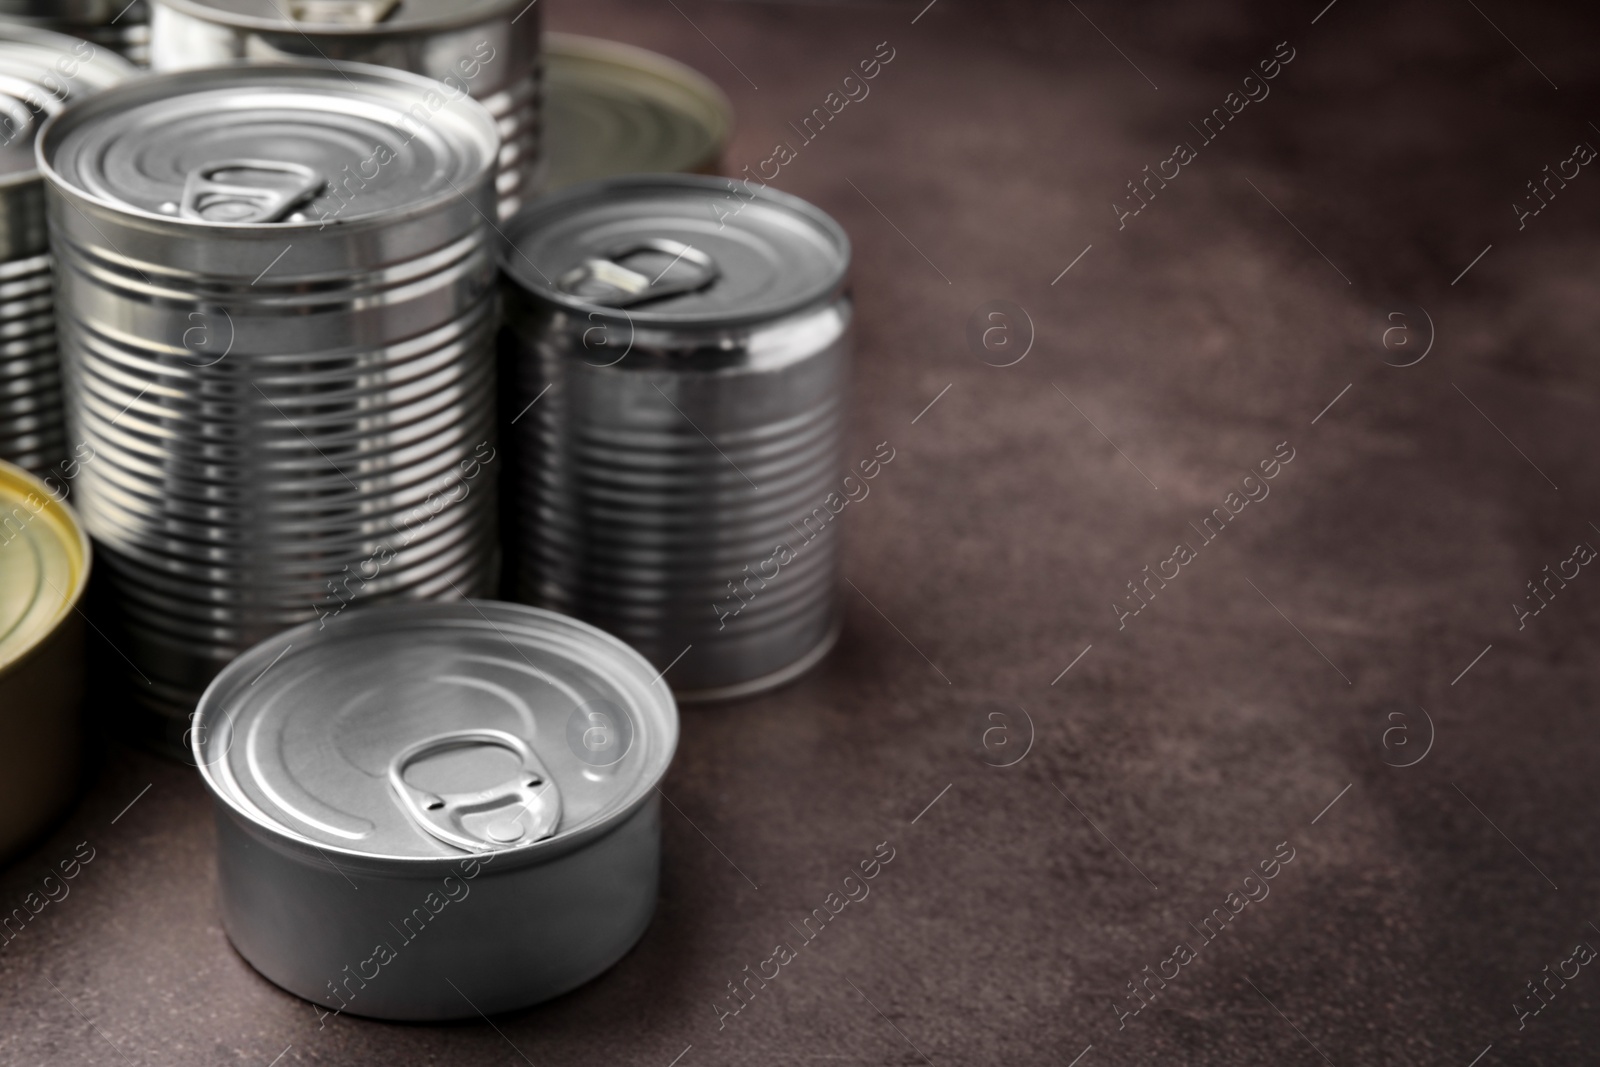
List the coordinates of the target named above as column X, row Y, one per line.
column 674, row 362
column 44, row 567
column 277, row 313
column 486, row 48
column 122, row 26
column 40, row 73
column 436, row 810
column 613, row 109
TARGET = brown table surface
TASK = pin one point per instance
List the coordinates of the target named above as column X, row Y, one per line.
column 1244, row 707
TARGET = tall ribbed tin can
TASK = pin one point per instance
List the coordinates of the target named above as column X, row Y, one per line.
column 123, row 26
column 437, row 811
column 44, row 566
column 675, row 357
column 277, row 318
column 486, row 48
column 39, row 73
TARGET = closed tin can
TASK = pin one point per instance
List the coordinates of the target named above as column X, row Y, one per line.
column 675, row 358
column 39, row 73
column 44, row 567
column 486, row 48
column 122, row 26
column 277, row 318
column 438, row 810
column 613, row 109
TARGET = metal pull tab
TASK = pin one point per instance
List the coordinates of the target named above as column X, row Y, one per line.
column 248, row 190
column 342, row 12
column 607, row 281
column 515, row 811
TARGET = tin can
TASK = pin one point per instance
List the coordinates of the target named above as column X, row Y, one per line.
column 44, row 567
column 613, row 109
column 486, row 48
column 122, row 26
column 674, row 380
column 39, row 73
column 438, row 810
column 277, row 323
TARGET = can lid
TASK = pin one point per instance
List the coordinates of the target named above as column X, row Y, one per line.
column 433, row 730
column 677, row 251
column 346, row 16
column 40, row 72
column 44, row 563
column 613, row 109
column 307, row 143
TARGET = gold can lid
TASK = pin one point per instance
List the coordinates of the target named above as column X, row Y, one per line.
column 613, row 109
column 44, row 563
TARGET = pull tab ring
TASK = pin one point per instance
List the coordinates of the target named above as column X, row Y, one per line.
column 604, row 280
column 514, row 811
column 209, row 198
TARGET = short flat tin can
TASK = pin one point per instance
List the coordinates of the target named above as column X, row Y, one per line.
column 431, row 810
column 44, row 567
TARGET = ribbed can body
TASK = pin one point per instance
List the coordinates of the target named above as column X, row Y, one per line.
column 494, row 58
column 675, row 495
column 276, row 422
column 32, row 429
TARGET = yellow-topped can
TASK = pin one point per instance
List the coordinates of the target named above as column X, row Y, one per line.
column 44, row 567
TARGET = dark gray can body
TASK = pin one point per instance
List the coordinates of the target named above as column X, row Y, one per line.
column 40, row 72
column 410, row 898
column 283, row 371
column 672, row 443
column 489, row 49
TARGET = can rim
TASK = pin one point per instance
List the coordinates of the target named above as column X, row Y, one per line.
column 514, row 265
column 69, row 604
column 154, row 87
column 30, row 34
column 444, row 21
column 249, row 664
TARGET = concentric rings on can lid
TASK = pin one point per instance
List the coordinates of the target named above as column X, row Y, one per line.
column 612, row 109
column 430, row 731
column 40, row 72
column 44, row 563
column 677, row 251
column 345, row 16
column 306, row 143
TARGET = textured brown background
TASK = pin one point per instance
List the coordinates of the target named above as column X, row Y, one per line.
column 1198, row 738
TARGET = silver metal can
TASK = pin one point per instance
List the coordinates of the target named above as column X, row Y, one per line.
column 277, row 312
column 489, row 49
column 123, row 26
column 674, row 364
column 39, row 73
column 437, row 810
column 44, row 567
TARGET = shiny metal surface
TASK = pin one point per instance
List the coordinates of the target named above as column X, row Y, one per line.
column 44, row 568
column 286, row 416
column 123, row 26
column 487, row 48
column 39, row 73
column 613, row 109
column 435, row 763
column 660, row 450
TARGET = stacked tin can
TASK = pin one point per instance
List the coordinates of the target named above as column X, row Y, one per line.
column 486, row 48
column 40, row 73
column 277, row 314
column 121, row 26
column 675, row 355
